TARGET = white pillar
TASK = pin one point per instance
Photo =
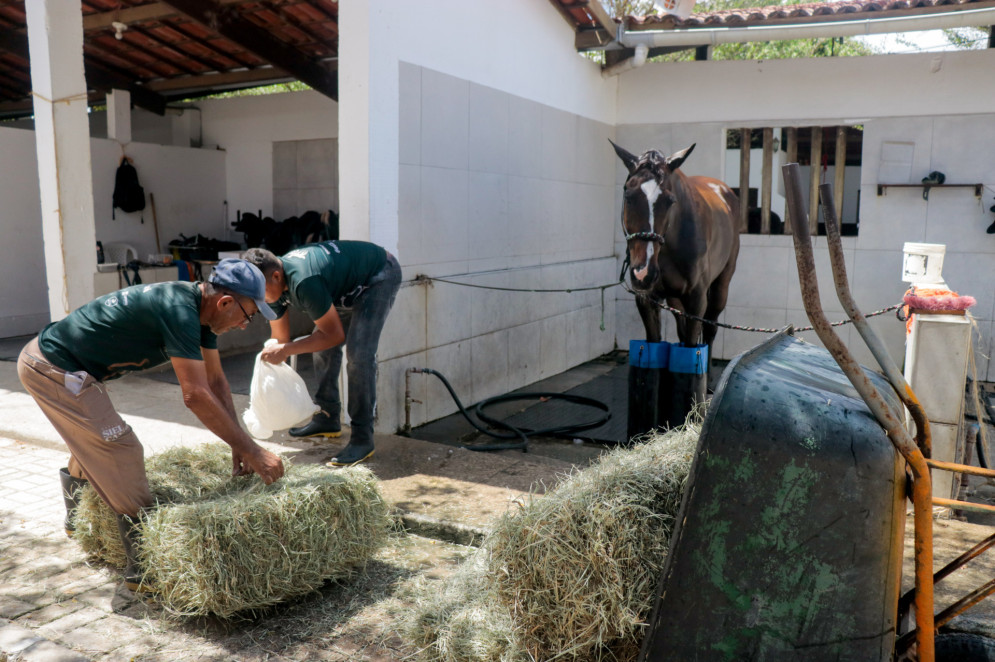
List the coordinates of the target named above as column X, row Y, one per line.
column 62, row 139
column 369, row 119
column 936, row 359
column 119, row 116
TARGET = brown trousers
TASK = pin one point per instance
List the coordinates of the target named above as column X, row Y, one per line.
column 103, row 448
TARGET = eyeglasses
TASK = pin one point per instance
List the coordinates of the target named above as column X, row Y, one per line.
column 248, row 317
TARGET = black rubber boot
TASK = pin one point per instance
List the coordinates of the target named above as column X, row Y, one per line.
column 353, row 453
column 321, row 425
column 134, row 577
column 70, row 494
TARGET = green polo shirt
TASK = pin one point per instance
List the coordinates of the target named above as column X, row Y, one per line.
column 132, row 329
column 326, row 274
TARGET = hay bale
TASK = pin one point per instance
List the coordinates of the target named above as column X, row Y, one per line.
column 571, row 575
column 221, row 545
column 577, row 567
column 464, row 621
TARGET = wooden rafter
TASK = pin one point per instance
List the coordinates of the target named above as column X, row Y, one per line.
column 262, row 75
column 228, row 23
column 151, row 12
column 97, row 76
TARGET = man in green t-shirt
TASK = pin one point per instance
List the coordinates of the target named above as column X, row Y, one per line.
column 347, row 288
column 139, row 327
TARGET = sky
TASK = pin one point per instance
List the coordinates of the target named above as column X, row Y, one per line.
column 923, row 41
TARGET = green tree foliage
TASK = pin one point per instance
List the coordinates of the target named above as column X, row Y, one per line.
column 772, row 50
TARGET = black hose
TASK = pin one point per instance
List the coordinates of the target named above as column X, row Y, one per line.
column 514, row 432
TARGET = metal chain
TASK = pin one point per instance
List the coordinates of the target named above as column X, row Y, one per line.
column 749, row 328
column 424, row 279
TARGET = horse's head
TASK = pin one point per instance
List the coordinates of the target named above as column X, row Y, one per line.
column 648, row 196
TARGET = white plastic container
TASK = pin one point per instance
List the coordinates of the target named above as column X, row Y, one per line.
column 923, row 263
column 679, row 8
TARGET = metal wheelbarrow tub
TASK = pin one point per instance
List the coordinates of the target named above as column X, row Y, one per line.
column 789, row 538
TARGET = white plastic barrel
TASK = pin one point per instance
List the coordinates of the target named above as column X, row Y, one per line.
column 679, row 8
column 923, row 263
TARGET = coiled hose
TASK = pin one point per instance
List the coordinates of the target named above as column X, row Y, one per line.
column 511, row 431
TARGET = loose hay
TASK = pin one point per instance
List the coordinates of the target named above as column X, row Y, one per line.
column 577, row 567
column 463, row 621
column 221, row 545
column 572, row 574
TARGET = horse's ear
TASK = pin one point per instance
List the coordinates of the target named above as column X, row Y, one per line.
column 675, row 161
column 627, row 158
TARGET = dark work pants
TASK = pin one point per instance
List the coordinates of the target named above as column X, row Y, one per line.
column 362, row 322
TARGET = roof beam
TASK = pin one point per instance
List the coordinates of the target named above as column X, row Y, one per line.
column 103, row 79
column 229, row 24
column 218, row 80
column 97, row 76
column 150, row 12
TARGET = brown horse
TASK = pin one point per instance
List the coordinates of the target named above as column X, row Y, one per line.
column 683, row 239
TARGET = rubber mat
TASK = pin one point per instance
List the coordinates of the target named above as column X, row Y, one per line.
column 612, row 388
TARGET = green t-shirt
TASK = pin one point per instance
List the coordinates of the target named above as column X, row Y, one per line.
column 132, row 329
column 326, row 274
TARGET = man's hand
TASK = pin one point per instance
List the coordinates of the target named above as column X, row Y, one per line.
column 275, row 353
column 260, row 461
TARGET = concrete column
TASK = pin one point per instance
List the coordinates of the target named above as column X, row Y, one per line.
column 369, row 119
column 62, row 138
column 119, row 116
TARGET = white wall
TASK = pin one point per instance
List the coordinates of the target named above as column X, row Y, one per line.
column 481, row 156
column 246, row 128
column 937, row 111
column 188, row 185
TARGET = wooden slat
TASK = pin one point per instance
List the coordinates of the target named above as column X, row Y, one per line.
column 768, row 167
column 215, row 81
column 792, row 157
column 744, row 179
column 840, row 180
column 813, row 182
column 229, row 24
column 129, row 15
column 603, row 17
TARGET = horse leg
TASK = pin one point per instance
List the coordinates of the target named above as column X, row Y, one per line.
column 650, row 315
column 718, row 293
column 678, row 312
column 695, row 305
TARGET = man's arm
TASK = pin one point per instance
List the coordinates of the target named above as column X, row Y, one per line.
column 217, row 381
column 199, row 397
column 328, row 333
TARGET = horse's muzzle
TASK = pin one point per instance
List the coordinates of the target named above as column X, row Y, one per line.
column 643, row 275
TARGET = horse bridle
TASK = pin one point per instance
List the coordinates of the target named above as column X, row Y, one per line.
column 647, row 236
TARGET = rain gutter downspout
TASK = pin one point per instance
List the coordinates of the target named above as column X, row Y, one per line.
column 637, row 60
column 868, row 26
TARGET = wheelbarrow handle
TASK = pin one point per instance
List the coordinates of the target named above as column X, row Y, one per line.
column 893, row 425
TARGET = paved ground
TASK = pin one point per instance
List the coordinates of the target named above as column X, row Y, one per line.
column 56, row 606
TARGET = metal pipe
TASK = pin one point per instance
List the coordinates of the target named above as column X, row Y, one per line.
column 713, row 36
column 871, row 339
column 965, row 603
column 408, row 400
column 893, row 426
column 634, row 62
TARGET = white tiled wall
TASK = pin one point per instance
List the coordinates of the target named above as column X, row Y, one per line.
column 496, row 191
column 305, row 177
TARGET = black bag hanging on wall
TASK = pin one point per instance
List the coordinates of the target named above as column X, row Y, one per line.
column 129, row 195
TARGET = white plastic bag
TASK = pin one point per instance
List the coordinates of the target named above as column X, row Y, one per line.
column 278, row 398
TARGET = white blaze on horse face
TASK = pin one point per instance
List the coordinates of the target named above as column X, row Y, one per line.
column 651, row 189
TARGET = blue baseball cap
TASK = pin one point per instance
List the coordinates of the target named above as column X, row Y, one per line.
column 243, row 278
